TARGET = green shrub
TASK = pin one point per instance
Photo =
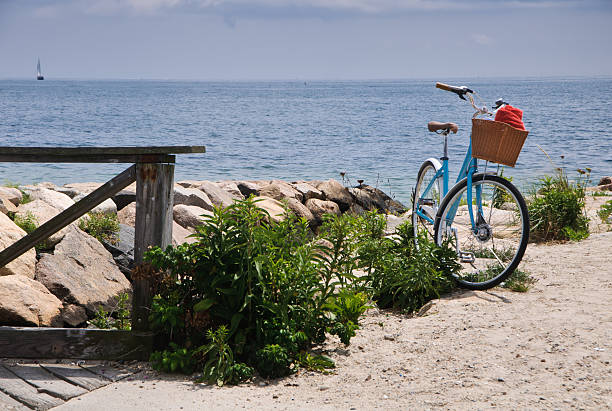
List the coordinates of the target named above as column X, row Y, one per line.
column 103, row 227
column 118, row 318
column 27, row 223
column 253, row 292
column 556, row 209
column 519, row 281
column 176, row 359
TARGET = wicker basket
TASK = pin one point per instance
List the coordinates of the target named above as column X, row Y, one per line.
column 497, row 142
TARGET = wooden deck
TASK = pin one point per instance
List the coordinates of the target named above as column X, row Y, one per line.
column 28, row 385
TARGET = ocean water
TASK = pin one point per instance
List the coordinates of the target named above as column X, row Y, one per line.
column 370, row 130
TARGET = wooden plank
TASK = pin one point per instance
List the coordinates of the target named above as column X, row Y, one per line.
column 101, row 151
column 46, row 382
column 69, row 215
column 7, row 403
column 23, row 392
column 78, row 343
column 87, row 158
column 111, row 373
column 154, row 202
column 76, row 375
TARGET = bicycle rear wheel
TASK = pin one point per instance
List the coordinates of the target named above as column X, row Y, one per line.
column 426, row 203
column 492, row 253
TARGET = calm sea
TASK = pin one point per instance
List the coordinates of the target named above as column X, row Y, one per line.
column 370, row 130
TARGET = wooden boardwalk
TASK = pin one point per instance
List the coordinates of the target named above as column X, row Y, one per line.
column 32, row 385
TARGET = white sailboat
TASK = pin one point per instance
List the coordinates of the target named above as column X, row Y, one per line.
column 39, row 75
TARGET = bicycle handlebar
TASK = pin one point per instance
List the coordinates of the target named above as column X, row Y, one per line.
column 460, row 91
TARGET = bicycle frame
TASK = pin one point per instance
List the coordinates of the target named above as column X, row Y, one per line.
column 468, row 169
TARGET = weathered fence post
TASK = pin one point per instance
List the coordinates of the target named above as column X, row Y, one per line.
column 154, row 202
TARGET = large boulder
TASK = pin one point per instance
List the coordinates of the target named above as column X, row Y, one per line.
column 57, row 200
column 217, row 195
column 318, row 208
column 371, row 198
column 81, row 188
column 279, row 190
column 122, row 249
column 274, row 208
column 6, row 206
column 336, row 192
column 190, row 183
column 192, row 197
column 22, row 265
column 189, row 216
column 107, row 206
column 231, row 188
column 181, row 235
column 604, row 181
column 11, row 194
column 25, row 302
column 249, row 188
column 301, row 211
column 82, row 272
column 127, row 215
column 308, row 191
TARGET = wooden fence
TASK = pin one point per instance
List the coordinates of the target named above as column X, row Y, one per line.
column 153, row 172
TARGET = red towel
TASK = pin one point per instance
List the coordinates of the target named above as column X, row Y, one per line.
column 510, row 115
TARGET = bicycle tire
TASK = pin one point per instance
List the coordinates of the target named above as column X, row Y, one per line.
column 471, row 276
column 429, row 166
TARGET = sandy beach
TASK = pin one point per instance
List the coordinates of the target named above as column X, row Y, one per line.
column 549, row 348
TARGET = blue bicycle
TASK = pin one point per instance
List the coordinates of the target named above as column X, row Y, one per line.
column 483, row 216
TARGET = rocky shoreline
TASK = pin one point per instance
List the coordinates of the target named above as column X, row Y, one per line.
column 64, row 285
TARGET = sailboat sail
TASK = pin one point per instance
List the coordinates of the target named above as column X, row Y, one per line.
column 39, row 75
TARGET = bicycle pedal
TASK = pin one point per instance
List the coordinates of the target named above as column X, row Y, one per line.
column 466, row 257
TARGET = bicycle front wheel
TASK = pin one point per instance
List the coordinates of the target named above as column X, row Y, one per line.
column 490, row 251
column 426, row 198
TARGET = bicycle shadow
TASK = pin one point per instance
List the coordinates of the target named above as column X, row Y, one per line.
column 486, row 295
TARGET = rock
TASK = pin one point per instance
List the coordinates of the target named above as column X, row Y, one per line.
column 107, row 206
column 274, row 208
column 604, row 181
column 127, row 215
column 371, row 198
column 336, row 192
column 192, row 197
column 605, row 187
column 218, row 196
column 42, row 212
column 320, row 207
column 181, row 235
column 125, row 197
column 82, row 272
column 189, row 216
column 279, row 190
column 190, row 183
column 83, row 188
column 231, row 188
column 25, row 302
column 73, row 315
column 24, row 264
column 308, row 191
column 11, row 194
column 248, row 188
column 394, row 221
column 6, row 206
column 301, row 211
column 123, row 249
column 53, row 198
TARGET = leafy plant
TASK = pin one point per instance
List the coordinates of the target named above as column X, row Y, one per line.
column 176, row 359
column 347, row 307
column 27, row 223
column 318, row 363
column 273, row 361
column 556, row 209
column 118, row 318
column 102, row 226
column 220, row 367
column 605, row 211
column 519, row 281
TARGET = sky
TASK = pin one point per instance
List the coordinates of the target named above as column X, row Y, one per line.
column 304, row 39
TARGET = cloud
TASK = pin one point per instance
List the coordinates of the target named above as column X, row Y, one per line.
column 482, row 39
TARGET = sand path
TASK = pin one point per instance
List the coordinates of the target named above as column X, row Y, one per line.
column 549, row 348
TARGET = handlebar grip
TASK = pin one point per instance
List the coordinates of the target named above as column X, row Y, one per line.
column 445, row 86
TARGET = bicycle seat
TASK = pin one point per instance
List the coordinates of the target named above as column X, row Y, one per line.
column 436, row 125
